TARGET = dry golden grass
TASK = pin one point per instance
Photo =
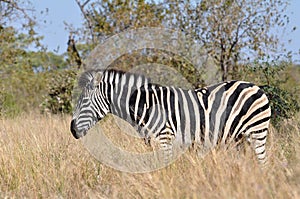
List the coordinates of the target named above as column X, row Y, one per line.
column 40, row 159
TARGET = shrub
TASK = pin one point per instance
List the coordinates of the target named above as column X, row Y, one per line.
column 60, row 86
column 271, row 75
column 283, row 104
column 8, row 105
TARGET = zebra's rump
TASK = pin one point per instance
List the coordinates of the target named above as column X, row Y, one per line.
column 232, row 110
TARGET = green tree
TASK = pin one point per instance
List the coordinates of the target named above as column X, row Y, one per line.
column 107, row 17
column 18, row 81
column 23, row 72
column 233, row 31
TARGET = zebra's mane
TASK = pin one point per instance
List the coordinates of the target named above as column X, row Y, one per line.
column 89, row 75
column 114, row 72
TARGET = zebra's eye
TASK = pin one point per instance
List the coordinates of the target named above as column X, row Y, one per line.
column 90, row 87
column 86, row 92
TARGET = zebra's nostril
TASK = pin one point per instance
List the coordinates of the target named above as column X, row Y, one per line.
column 73, row 129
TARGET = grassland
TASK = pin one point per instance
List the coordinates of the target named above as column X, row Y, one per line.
column 39, row 158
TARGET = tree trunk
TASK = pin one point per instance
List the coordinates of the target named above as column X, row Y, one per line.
column 224, row 71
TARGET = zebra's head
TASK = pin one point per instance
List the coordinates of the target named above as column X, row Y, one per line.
column 91, row 106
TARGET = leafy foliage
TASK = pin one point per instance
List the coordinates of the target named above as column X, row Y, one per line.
column 108, row 17
column 23, row 72
column 8, row 104
column 283, row 104
column 59, row 92
column 270, row 74
column 230, row 31
column 21, row 87
column 233, row 31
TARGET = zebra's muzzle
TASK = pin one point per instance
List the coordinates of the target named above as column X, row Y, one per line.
column 74, row 129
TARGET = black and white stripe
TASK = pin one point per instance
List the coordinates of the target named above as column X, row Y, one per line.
column 217, row 114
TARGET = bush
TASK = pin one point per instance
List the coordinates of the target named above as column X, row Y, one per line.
column 8, row 105
column 60, row 86
column 271, row 74
column 283, row 104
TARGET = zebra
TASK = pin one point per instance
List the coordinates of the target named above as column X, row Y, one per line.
column 219, row 114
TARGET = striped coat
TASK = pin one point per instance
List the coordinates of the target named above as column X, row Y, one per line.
column 217, row 114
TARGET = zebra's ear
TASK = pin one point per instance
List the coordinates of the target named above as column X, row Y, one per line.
column 97, row 78
column 90, row 78
column 85, row 79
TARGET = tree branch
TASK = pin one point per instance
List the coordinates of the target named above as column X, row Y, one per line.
column 87, row 17
column 13, row 5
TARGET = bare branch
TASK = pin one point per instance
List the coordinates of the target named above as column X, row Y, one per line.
column 13, row 5
column 85, row 3
column 88, row 18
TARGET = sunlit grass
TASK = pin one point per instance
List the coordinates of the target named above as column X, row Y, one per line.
column 40, row 158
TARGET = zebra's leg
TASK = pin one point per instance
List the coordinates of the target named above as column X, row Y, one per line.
column 165, row 139
column 258, row 141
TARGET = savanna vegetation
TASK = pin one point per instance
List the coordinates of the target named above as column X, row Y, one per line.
column 39, row 157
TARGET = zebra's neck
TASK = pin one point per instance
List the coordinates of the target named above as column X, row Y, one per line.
column 119, row 87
